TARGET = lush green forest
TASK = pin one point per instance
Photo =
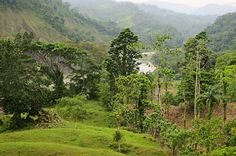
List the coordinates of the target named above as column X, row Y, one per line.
column 72, row 85
column 51, row 20
column 145, row 20
column 222, row 33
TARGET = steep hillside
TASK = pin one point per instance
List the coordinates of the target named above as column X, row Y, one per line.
column 50, row 20
column 223, row 33
column 14, row 21
column 145, row 20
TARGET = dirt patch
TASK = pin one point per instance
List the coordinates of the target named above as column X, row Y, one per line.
column 176, row 114
column 1, row 111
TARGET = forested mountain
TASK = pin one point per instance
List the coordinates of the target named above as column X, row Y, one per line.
column 50, row 20
column 223, row 33
column 144, row 19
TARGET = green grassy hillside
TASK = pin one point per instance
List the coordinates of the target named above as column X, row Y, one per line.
column 13, row 21
column 90, row 136
column 51, row 21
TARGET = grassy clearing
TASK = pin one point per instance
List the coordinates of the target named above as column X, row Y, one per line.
column 44, row 149
column 90, row 136
column 78, row 135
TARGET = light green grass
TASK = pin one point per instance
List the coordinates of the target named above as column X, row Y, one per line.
column 97, row 115
column 81, row 135
column 46, row 149
column 87, row 137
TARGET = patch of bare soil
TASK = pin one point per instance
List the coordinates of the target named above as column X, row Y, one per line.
column 1, row 111
column 176, row 114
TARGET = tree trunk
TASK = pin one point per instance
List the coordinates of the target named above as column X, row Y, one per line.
column 209, row 110
column 225, row 112
column 119, row 148
column 185, row 110
column 173, row 152
column 159, row 94
column 197, row 83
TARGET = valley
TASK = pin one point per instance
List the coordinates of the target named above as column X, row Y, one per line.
column 117, row 78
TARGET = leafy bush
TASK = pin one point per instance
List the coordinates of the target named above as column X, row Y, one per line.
column 230, row 132
column 71, row 108
column 227, row 151
column 124, row 148
column 5, row 122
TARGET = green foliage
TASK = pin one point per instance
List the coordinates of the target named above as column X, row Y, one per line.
column 118, row 138
column 222, row 33
column 56, row 59
column 169, row 99
column 144, row 20
column 90, row 136
column 122, row 60
column 227, row 151
column 155, row 123
column 225, row 74
column 86, row 79
column 133, row 92
column 208, row 134
column 189, row 70
column 230, row 132
column 175, row 140
column 71, row 108
column 209, row 99
column 22, row 88
column 55, row 17
column 105, row 94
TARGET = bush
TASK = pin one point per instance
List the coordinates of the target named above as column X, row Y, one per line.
column 227, row 151
column 74, row 101
column 5, row 122
column 230, row 132
column 71, row 108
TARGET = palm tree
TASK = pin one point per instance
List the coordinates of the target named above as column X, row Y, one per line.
column 209, row 98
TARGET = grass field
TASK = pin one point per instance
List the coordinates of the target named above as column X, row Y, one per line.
column 90, row 136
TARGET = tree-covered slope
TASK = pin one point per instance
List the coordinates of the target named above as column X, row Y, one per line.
column 223, row 33
column 145, row 20
column 50, row 20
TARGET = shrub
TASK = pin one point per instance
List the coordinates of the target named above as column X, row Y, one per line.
column 71, row 108
column 230, row 132
column 227, row 151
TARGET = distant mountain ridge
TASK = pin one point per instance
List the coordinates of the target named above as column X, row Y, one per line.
column 145, row 20
column 180, row 8
column 210, row 9
column 214, row 9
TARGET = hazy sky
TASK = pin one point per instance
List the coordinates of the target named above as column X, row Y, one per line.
column 190, row 2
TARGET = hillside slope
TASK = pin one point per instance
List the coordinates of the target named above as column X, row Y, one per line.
column 145, row 20
column 50, row 20
column 13, row 21
column 223, row 33
column 88, row 137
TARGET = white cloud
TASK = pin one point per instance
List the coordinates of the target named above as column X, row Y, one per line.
column 190, row 2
